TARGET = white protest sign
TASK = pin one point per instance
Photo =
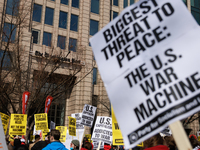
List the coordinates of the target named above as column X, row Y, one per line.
column 96, row 144
column 78, row 117
column 103, row 130
column 52, row 125
column 3, row 145
column 88, row 115
column 148, row 58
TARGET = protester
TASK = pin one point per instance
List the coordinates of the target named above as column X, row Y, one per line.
column 107, row 146
column 37, row 138
column 47, row 138
column 39, row 145
column 74, row 145
column 19, row 146
column 85, row 139
column 156, row 142
column 195, row 144
column 87, row 146
column 170, row 142
column 114, row 147
column 55, row 143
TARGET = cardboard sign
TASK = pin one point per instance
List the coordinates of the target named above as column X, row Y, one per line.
column 103, row 130
column 148, row 58
column 88, row 115
column 41, row 121
column 3, row 145
column 96, row 144
column 78, row 117
column 72, row 126
column 5, row 120
column 18, row 124
column 88, row 136
column 63, row 132
column 117, row 135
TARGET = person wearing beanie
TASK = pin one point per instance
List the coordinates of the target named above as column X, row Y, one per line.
column 74, row 145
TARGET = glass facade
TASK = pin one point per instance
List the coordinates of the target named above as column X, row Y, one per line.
column 115, row 2
column 49, row 16
column 72, row 44
column 12, row 7
column 9, row 32
column 63, row 20
column 125, row 3
column 35, row 36
column 94, row 76
column 115, row 14
column 37, row 12
column 6, row 59
column 64, row 2
column 195, row 10
column 47, row 39
column 132, row 2
column 75, row 3
column 94, row 26
column 61, row 41
column 74, row 23
column 95, row 6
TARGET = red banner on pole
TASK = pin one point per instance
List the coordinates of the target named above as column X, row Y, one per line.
column 48, row 103
column 25, row 98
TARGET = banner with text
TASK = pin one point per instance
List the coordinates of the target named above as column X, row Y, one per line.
column 63, row 132
column 41, row 121
column 3, row 145
column 5, row 120
column 96, row 144
column 88, row 115
column 148, row 58
column 78, row 117
column 72, row 126
column 117, row 135
column 18, row 124
column 103, row 130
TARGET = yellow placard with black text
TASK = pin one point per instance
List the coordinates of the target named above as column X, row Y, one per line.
column 41, row 121
column 63, row 132
column 117, row 135
column 44, row 132
column 72, row 126
column 5, row 120
column 18, row 124
column 88, row 136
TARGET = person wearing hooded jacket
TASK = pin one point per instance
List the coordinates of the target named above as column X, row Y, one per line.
column 55, row 142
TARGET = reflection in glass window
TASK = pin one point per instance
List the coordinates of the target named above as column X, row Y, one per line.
column 64, row 2
column 75, row 3
column 94, row 75
column 94, row 26
column 125, row 3
column 37, row 11
column 132, row 2
column 47, row 39
column 49, row 16
column 115, row 14
column 95, row 6
column 61, row 41
column 115, row 2
column 195, row 10
column 12, row 7
column 74, row 23
column 6, row 59
column 35, row 36
column 63, row 20
column 9, row 32
column 72, row 44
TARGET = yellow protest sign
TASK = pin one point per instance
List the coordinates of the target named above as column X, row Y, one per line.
column 44, row 132
column 63, row 132
column 88, row 136
column 72, row 126
column 117, row 135
column 18, row 124
column 140, row 145
column 5, row 120
column 31, row 136
column 41, row 121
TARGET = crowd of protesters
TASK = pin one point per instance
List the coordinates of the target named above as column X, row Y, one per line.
column 52, row 142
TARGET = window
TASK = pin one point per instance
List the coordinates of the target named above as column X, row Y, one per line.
column 195, row 10
column 35, row 36
column 12, row 7
column 6, row 59
column 115, row 2
column 75, row 3
column 115, row 14
column 49, row 16
column 47, row 39
column 9, row 32
column 132, row 2
column 37, row 11
column 72, row 44
column 94, row 26
column 95, row 6
column 64, row 2
column 61, row 41
column 74, row 23
column 94, row 76
column 63, row 20
column 125, row 3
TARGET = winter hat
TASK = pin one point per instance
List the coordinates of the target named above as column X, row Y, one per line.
column 75, row 142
